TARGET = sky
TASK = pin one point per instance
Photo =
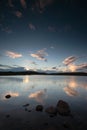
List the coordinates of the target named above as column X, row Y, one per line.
column 43, row 35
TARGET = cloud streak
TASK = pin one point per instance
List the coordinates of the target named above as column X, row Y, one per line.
column 32, row 27
column 69, row 60
column 18, row 14
column 10, row 3
column 40, row 55
column 52, row 29
column 13, row 54
column 23, row 3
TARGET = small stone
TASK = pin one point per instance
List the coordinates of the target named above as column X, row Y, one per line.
column 66, row 125
column 26, row 105
column 39, row 108
column 51, row 110
column 26, row 109
column 7, row 116
column 52, row 115
column 45, row 123
column 29, row 110
column 63, row 108
column 8, row 96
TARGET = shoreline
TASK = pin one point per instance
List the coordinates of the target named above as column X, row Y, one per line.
column 38, row 73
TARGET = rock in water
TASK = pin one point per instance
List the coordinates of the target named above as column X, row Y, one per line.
column 26, row 105
column 8, row 96
column 51, row 110
column 63, row 108
column 39, row 108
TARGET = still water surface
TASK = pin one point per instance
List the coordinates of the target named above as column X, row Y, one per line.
column 44, row 90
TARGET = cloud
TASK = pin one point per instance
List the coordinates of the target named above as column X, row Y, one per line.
column 39, row 96
column 40, row 55
column 41, row 4
column 73, row 67
column 18, row 14
column 81, row 66
column 52, row 47
column 3, row 67
column 23, row 3
column 6, row 29
column 31, row 26
column 11, row 68
column 44, row 3
column 54, row 68
column 34, row 63
column 13, row 54
column 52, row 29
column 10, row 3
column 69, row 60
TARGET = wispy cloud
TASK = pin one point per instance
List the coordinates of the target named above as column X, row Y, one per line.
column 23, row 3
column 73, row 68
column 70, row 60
column 13, row 54
column 18, row 14
column 44, row 3
column 3, row 67
column 10, row 3
column 40, row 55
column 33, row 63
column 52, row 29
column 6, row 29
column 81, row 66
column 41, row 4
column 31, row 26
column 52, row 47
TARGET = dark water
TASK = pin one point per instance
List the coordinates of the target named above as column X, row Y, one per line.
column 47, row 91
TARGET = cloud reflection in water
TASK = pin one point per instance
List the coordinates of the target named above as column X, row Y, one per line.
column 39, row 96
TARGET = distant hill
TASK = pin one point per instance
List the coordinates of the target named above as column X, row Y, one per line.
column 43, row 73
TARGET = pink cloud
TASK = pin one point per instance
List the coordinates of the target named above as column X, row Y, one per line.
column 40, row 55
column 13, row 54
column 51, row 29
column 31, row 26
column 69, row 60
column 18, row 14
column 7, row 30
column 23, row 3
column 10, row 3
column 41, row 4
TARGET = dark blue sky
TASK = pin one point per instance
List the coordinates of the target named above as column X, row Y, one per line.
column 49, row 35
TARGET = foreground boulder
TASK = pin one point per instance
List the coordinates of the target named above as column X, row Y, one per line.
column 51, row 110
column 63, row 108
column 39, row 108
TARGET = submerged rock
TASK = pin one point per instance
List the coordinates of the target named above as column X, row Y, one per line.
column 7, row 116
column 39, row 108
column 26, row 105
column 51, row 110
column 63, row 108
column 8, row 96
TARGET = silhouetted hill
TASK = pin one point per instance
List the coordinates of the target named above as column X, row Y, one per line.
column 43, row 73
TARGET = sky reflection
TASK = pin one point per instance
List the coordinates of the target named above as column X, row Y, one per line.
column 39, row 96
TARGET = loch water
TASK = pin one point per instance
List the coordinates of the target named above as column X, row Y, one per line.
column 19, row 111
